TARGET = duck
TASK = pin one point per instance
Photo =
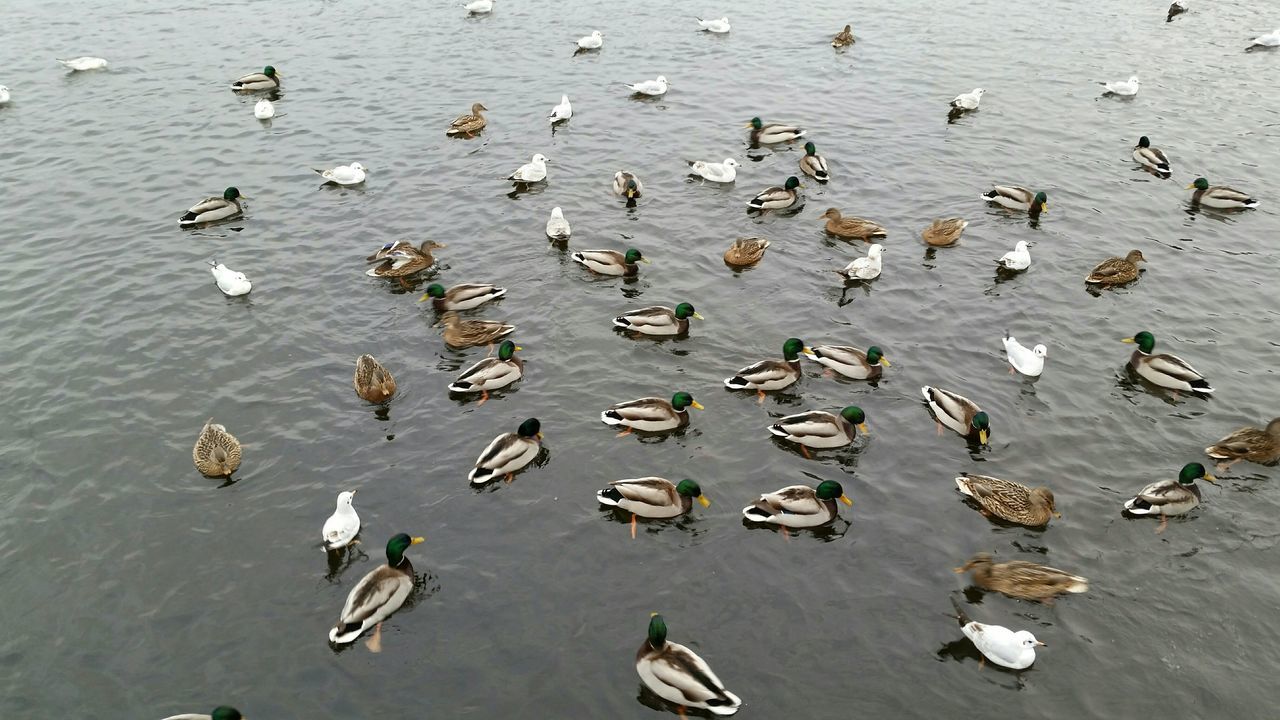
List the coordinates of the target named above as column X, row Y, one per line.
column 813, row 164
column 1017, row 259
column 1124, row 88
column 230, row 282
column 958, row 413
column 587, row 43
column 215, row 209
column 343, row 525
column 1170, row 497
column 82, row 64
column 719, row 26
column 844, row 38
column 557, row 227
column 216, row 452
column 1167, row 371
column 610, row 262
column 478, row 7
column 762, row 134
column 1248, row 443
column 401, row 260
column 864, row 268
column 373, row 382
column 999, row 644
column 561, row 112
column 1022, row 580
column 651, row 414
column 491, row 373
column 850, row 361
column 1116, row 270
column 1028, row 361
column 1219, row 197
column 722, row 172
column 658, row 320
column 745, row 252
column 652, row 497
column 378, row 594
column 676, row 674
column 820, row 429
column 464, row 296
column 851, row 228
column 1150, row 157
column 1008, row 500
column 1271, row 39
column 627, row 185
column 268, row 79
column 652, row 88
column 777, row 198
column 1013, row 197
column 798, row 506
column 768, row 375
column 531, row 172
column 264, row 109
column 459, row 333
column 468, row 125
column 944, row 232
column 508, row 453
column 352, row 174
column 222, row 712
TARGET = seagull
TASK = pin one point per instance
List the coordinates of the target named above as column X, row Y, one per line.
column 229, row 281
column 1271, row 39
column 557, row 226
column 264, row 110
column 725, row 172
column 531, row 172
column 343, row 525
column 352, row 174
column 1028, row 362
column 479, row 7
column 714, row 26
column 4, row 95
column 561, row 112
column 1124, row 88
column 1016, row 259
column 649, row 87
column 1177, row 8
column 594, row 41
column 864, row 268
column 84, row 63
column 968, row 101
column 1000, row 645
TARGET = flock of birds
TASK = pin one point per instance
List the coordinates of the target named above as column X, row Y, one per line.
column 670, row 670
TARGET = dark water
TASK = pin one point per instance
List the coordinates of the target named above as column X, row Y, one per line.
column 133, row 587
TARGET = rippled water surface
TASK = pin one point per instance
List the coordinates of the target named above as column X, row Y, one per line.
column 133, row 587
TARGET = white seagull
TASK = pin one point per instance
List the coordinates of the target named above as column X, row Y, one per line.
column 1016, row 259
column 84, row 63
column 594, row 41
column 264, row 110
column 969, row 100
column 1000, row 645
column 229, row 281
column 479, row 7
column 557, row 226
column 1029, row 362
column 343, row 525
column 725, row 172
column 1124, row 88
column 4, row 95
column 714, row 26
column 649, row 87
column 864, row 268
column 1271, row 39
column 531, row 172
column 352, row 174
column 561, row 112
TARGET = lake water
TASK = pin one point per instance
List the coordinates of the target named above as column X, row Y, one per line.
column 133, row 587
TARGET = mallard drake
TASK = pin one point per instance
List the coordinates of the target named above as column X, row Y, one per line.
column 508, row 453
column 850, row 361
column 466, row 296
column 772, row 133
column 468, row 125
column 1028, row 361
column 658, row 320
column 652, row 497
column 745, row 252
column 610, row 262
column 373, row 382
column 851, row 228
column 491, row 373
column 1022, row 580
column 1018, row 198
column 1167, row 371
column 723, row 172
column 557, row 227
column 770, row 374
column 377, row 595
column 627, row 185
column 844, row 38
column 651, row 414
column 798, row 506
column 999, row 644
column 1248, row 443
column 1017, row 259
column 1115, row 270
column 215, row 209
column 819, row 429
column 222, row 712
column 777, row 198
column 942, row 233
column 1008, row 500
column 400, row 260
column 343, row 525
column 813, row 164
column 676, row 674
column 864, row 268
column 459, row 333
column 1220, row 197
column 268, row 79
column 958, row 413
column 1149, row 157
column 216, row 452
column 1170, row 497
column 352, row 174
column 531, row 172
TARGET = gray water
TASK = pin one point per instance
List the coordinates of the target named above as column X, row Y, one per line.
column 133, row 587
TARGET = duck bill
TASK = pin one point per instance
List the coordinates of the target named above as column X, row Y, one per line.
column 862, row 427
column 645, row 261
column 703, row 501
column 1211, row 478
column 539, row 436
column 1130, row 340
column 845, row 499
column 1191, row 186
column 697, row 405
column 982, row 436
column 1057, row 514
column 1044, row 207
column 417, row 540
column 425, row 297
column 884, row 362
column 699, row 316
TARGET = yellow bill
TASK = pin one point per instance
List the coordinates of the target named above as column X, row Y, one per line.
column 698, row 405
column 1128, row 340
column 417, row 540
column 845, row 499
column 982, row 436
column 699, row 316
column 863, row 427
column 884, row 361
column 704, row 501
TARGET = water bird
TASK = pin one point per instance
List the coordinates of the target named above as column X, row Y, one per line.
column 1000, row 645
column 479, row 7
column 222, row 712
column 1170, row 497
column 777, row 198
column 627, row 185
column 215, row 209
column 1017, row 259
column 1150, row 157
column 1123, row 88
column 813, row 164
column 1008, row 500
column 958, row 413
column 650, row 87
column 1116, row 270
column 798, row 506
column 844, row 38
column 557, row 227
column 821, row 430
column 1028, row 361
column 651, row 414
column 1248, row 443
column 769, row 375
column 464, row 296
column 466, row 126
column 713, row 26
column 352, row 174
column 1165, row 370
column 1177, row 8
column 1022, row 580
column 944, row 232
column 1013, row 197
column 652, row 497
column 658, row 320
column 343, row 525
column 724, row 172
column 864, row 268
column 594, row 41
column 850, row 227
column 216, row 452
column 491, row 373
column 508, row 453
column 745, row 252
column 229, row 281
column 264, row 110
column 84, row 63
column 676, row 674
column 531, row 172
column 1270, row 40
column 1220, row 197
column 268, row 79
column 400, row 260
column 965, row 102
column 373, row 382
column 4, row 95
column 378, row 594
column 771, row 133
column 850, row 361
column 459, row 333
column 610, row 262
column 561, row 112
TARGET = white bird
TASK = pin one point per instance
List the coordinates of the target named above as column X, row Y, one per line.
column 264, row 110
column 229, row 281
column 557, row 226
column 1000, row 645
column 1126, row 88
column 479, row 7
column 4, row 95
column 352, row 174
column 1271, row 39
column 725, row 172
column 561, row 112
column 650, row 87
column 864, row 268
column 531, row 172
column 1016, row 259
column 715, row 26
column 84, row 63
column 969, row 100
column 1029, row 362
column 594, row 41
column 343, row 525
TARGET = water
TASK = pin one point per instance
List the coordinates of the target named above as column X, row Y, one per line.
column 133, row 586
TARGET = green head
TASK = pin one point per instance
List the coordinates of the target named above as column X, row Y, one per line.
column 1041, row 201
column 792, row 183
column 396, row 547
column 633, row 256
column 792, row 348
column 682, row 400
column 685, row 311
column 657, row 631
column 632, row 188
column 1192, row 472
column 435, row 290
column 854, row 415
column 1200, row 184
column 530, row 428
column 1145, row 341
column 981, row 421
column 507, row 349
column 226, row 712
column 875, row 356
column 1144, row 142
column 691, row 489
column 269, row 71
column 231, row 193
column 810, row 149
column 832, row 490
column 755, row 123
